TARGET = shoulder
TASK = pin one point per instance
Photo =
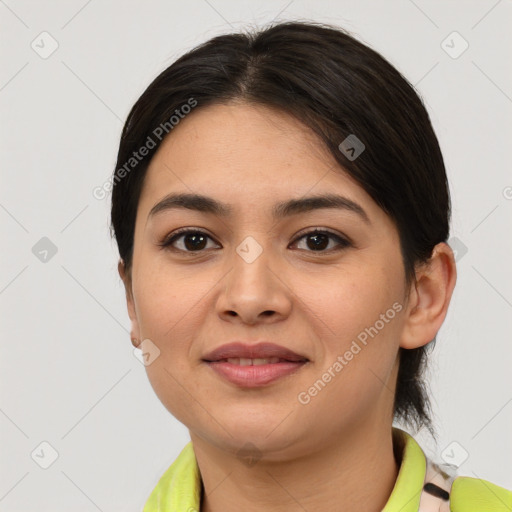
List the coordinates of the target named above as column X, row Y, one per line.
column 477, row 495
column 446, row 491
column 442, row 489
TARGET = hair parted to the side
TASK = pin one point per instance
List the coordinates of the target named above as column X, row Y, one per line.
column 337, row 86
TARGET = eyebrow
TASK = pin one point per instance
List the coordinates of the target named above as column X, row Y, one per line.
column 205, row 204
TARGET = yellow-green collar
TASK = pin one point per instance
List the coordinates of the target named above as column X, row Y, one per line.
column 179, row 488
column 406, row 494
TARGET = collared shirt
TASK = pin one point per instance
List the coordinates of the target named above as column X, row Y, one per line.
column 421, row 486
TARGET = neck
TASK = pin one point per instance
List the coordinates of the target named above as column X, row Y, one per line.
column 357, row 472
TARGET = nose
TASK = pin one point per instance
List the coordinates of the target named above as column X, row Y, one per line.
column 254, row 292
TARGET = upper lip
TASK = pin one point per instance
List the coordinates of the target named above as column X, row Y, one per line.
column 261, row 350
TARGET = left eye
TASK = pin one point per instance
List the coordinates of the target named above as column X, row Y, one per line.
column 320, row 238
column 194, row 240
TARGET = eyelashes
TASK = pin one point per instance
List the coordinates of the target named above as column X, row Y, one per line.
column 318, row 235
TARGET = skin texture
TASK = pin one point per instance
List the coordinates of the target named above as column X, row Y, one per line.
column 335, row 452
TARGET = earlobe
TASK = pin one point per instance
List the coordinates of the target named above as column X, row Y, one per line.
column 126, row 278
column 430, row 298
column 121, row 269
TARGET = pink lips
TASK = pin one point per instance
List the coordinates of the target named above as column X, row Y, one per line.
column 254, row 375
column 260, row 350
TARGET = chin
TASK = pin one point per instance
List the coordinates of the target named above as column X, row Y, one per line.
column 253, row 439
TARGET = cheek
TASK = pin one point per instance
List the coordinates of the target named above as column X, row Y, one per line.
column 171, row 308
column 166, row 310
column 351, row 301
column 359, row 320
column 166, row 300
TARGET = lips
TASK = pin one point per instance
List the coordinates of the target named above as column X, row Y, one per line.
column 263, row 350
column 252, row 366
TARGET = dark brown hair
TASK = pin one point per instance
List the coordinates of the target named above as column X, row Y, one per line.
column 337, row 86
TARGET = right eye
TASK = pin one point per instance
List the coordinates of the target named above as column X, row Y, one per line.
column 193, row 240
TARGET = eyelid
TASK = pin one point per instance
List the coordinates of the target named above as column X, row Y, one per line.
column 168, row 239
column 320, row 230
column 343, row 241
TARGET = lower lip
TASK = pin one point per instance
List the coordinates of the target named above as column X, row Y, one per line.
column 254, row 375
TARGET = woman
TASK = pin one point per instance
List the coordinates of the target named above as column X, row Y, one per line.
column 281, row 209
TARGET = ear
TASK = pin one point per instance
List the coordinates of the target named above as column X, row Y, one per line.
column 127, row 281
column 429, row 298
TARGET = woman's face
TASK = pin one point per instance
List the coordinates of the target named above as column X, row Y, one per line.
column 255, row 277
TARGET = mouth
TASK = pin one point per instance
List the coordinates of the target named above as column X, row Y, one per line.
column 256, row 352
column 254, row 365
column 244, row 361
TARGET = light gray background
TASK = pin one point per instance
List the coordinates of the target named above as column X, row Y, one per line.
column 68, row 373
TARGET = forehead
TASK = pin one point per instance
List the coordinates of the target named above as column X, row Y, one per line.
column 236, row 132
column 245, row 153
